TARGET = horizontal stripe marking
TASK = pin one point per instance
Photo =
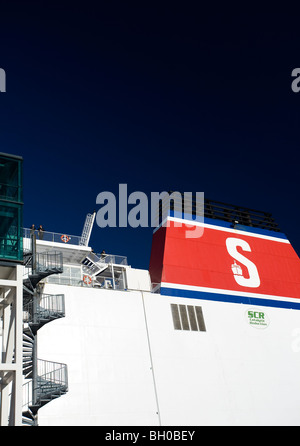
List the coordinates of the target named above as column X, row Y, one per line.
column 230, row 298
column 203, row 289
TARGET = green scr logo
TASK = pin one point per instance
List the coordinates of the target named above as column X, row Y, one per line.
column 256, row 314
column 257, row 318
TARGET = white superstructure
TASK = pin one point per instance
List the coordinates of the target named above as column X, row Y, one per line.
column 135, row 357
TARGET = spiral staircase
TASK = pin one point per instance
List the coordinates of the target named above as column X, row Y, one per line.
column 44, row 380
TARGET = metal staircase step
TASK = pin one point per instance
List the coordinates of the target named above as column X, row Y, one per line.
column 27, row 338
column 28, row 417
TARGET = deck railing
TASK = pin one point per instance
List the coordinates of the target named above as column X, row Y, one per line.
column 56, row 237
column 109, row 258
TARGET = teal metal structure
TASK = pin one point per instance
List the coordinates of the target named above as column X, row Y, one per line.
column 11, row 208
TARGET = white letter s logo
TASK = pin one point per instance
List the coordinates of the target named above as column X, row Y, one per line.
column 253, row 281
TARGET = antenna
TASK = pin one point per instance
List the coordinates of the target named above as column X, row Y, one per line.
column 87, row 229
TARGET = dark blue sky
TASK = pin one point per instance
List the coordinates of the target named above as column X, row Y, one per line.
column 158, row 96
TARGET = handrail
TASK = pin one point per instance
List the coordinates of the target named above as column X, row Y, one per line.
column 66, row 239
column 47, row 306
column 51, row 376
column 112, row 258
column 56, row 372
column 46, row 261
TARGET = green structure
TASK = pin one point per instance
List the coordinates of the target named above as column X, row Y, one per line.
column 11, row 208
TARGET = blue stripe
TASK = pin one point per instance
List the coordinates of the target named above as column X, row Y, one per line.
column 229, row 298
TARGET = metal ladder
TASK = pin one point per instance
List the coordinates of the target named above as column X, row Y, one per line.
column 87, row 229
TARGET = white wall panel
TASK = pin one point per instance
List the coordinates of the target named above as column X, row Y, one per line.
column 103, row 341
column 232, row 373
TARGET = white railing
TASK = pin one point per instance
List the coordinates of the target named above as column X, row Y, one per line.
column 112, row 258
column 53, row 237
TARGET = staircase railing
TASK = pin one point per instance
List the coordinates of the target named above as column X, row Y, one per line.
column 49, row 261
column 45, row 380
column 47, row 307
column 52, row 381
column 52, row 372
column 38, row 267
